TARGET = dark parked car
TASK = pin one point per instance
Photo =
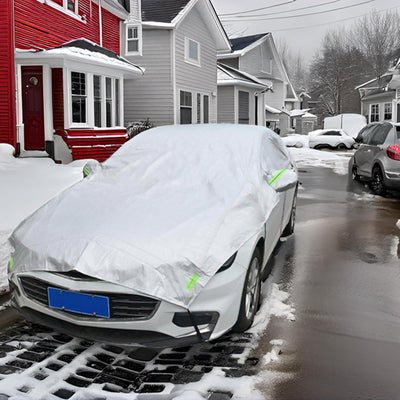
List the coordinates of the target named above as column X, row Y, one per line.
column 378, row 156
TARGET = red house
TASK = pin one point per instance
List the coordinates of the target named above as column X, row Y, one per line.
column 61, row 78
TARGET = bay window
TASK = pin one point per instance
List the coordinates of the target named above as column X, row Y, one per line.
column 95, row 100
column 374, row 114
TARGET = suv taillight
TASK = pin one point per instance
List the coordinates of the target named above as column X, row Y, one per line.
column 393, row 152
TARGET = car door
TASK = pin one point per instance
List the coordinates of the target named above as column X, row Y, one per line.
column 362, row 154
column 376, row 145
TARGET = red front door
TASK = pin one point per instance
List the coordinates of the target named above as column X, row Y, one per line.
column 32, row 107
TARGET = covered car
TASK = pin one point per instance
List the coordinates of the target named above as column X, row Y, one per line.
column 164, row 243
column 330, row 138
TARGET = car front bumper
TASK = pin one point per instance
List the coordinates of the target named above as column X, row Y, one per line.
column 220, row 299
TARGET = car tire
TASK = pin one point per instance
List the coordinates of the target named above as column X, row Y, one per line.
column 377, row 183
column 354, row 174
column 289, row 228
column 251, row 294
column 341, row 146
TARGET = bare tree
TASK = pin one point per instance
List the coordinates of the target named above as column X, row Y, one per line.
column 295, row 66
column 334, row 74
column 377, row 36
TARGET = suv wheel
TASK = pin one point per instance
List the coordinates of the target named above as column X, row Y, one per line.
column 377, row 183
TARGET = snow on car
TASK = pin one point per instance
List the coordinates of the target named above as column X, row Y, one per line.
column 330, row 138
column 165, row 243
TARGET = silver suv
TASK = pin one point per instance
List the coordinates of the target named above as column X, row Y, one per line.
column 378, row 157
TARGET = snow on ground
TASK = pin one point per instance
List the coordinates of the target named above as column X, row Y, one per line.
column 306, row 157
column 295, row 140
column 26, row 184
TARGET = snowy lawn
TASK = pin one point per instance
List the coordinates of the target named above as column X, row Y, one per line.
column 26, row 184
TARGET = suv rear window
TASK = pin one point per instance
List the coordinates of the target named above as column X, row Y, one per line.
column 380, row 134
column 397, row 137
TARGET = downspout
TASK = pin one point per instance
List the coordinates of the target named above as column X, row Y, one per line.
column 100, row 24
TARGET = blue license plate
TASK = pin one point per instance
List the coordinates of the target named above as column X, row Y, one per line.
column 82, row 303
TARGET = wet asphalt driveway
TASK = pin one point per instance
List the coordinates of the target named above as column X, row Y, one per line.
column 342, row 269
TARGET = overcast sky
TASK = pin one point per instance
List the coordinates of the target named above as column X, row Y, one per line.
column 303, row 32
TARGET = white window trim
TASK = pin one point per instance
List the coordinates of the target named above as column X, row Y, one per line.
column 370, row 112
column 193, row 107
column 90, row 100
column 139, row 39
column 202, row 95
column 391, row 111
column 64, row 9
column 189, row 60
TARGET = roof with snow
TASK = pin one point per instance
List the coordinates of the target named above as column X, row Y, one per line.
column 241, row 43
column 83, row 51
column 162, row 10
column 231, row 75
column 93, row 47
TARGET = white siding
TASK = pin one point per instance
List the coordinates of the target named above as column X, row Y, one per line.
column 226, row 105
column 151, row 96
column 134, row 15
column 193, row 78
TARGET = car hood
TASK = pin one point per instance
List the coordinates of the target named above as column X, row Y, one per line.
column 161, row 216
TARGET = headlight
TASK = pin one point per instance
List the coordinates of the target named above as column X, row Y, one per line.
column 227, row 263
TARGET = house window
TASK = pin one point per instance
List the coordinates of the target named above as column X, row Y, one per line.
column 244, row 100
column 206, row 109
column 374, row 114
column 133, row 37
column 109, row 102
column 70, row 5
column 198, row 108
column 192, row 51
column 78, row 91
column 185, row 107
column 388, row 111
column 97, row 100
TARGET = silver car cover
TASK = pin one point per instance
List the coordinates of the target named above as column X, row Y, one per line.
column 163, row 213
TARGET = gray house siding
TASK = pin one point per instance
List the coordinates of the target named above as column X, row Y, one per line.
column 152, row 95
column 226, row 105
column 193, row 78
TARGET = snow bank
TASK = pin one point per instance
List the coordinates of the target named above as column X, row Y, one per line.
column 26, row 184
column 295, row 140
column 306, row 157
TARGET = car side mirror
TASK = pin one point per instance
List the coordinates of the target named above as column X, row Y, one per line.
column 283, row 180
column 90, row 168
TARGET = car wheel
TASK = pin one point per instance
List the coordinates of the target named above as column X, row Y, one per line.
column 377, row 183
column 354, row 174
column 289, row 228
column 342, row 146
column 250, row 295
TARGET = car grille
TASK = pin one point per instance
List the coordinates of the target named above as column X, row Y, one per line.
column 122, row 306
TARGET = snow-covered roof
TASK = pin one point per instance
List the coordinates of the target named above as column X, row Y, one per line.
column 298, row 113
column 231, row 76
column 272, row 110
column 86, row 52
column 309, row 115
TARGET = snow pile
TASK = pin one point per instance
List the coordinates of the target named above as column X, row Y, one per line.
column 295, row 140
column 26, row 184
column 305, row 157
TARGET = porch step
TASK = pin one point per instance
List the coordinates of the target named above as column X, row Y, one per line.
column 33, row 154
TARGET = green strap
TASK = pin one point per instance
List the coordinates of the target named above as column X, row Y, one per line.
column 277, row 176
column 86, row 171
column 11, row 263
column 192, row 282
